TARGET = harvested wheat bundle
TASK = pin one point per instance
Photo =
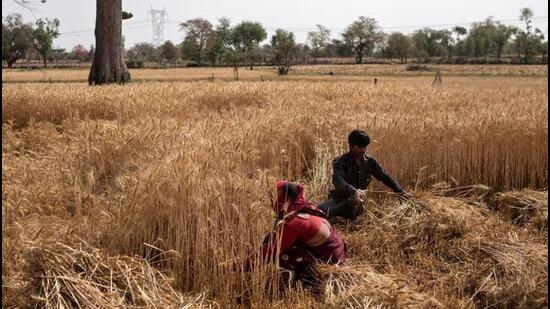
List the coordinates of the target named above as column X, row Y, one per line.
column 517, row 278
column 477, row 191
column 80, row 276
column 430, row 220
column 333, row 280
column 408, row 211
column 362, row 287
column 518, row 258
column 521, row 207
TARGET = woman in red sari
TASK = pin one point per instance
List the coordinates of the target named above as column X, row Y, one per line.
column 302, row 235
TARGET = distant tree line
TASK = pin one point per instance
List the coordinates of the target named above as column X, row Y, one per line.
column 20, row 39
column 244, row 44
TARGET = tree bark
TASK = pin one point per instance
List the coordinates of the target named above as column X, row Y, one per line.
column 108, row 65
column 44, row 57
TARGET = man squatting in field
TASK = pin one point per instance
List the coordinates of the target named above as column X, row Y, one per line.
column 352, row 174
column 301, row 236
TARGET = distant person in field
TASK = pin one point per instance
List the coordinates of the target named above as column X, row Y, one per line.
column 302, row 235
column 352, row 174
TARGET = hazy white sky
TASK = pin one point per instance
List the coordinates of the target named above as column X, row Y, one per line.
column 78, row 16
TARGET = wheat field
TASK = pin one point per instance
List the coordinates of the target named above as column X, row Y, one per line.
column 309, row 72
column 135, row 195
column 180, row 74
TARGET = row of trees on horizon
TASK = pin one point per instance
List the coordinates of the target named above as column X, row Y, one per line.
column 244, row 44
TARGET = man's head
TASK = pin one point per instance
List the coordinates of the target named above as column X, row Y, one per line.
column 358, row 141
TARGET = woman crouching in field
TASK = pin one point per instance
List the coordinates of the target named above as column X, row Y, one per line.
column 302, row 235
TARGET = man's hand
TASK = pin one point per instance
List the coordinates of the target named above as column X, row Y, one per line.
column 404, row 196
column 359, row 196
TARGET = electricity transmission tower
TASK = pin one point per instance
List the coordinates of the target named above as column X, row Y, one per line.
column 158, row 18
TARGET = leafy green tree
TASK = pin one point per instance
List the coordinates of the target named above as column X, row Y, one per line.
column 224, row 30
column 214, row 48
column 526, row 15
column 189, row 50
column 143, row 51
column 284, row 47
column 501, row 37
column 543, row 50
column 481, row 39
column 427, row 43
column 318, row 40
column 529, row 39
column 197, row 31
column 168, row 51
column 363, row 35
column 17, row 39
column 268, row 54
column 398, row 46
column 458, row 40
column 246, row 36
column 45, row 32
column 219, row 41
column 233, row 58
column 446, row 42
column 338, row 48
column 59, row 54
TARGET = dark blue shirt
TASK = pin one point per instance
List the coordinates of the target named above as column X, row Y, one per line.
column 349, row 175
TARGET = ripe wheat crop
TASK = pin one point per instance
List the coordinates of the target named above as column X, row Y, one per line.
column 428, row 69
column 184, row 74
column 169, row 179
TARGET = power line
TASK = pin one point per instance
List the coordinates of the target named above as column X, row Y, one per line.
column 145, row 23
column 91, row 30
column 538, row 18
column 459, row 24
column 517, row 20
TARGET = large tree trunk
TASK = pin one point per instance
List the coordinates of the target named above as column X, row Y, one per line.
column 108, row 65
column 44, row 58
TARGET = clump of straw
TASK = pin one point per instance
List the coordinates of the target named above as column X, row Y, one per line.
column 64, row 276
column 521, row 207
column 362, row 287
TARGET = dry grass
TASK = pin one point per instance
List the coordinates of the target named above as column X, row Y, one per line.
column 317, row 72
column 62, row 276
column 81, row 74
column 176, row 173
column 452, row 70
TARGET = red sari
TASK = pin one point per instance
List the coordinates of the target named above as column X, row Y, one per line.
column 299, row 224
